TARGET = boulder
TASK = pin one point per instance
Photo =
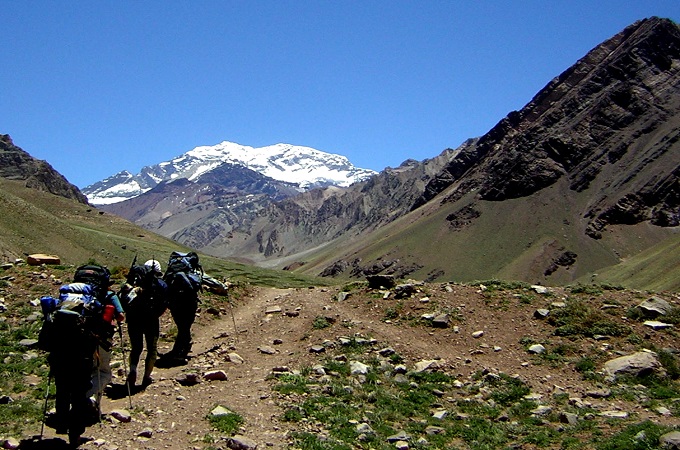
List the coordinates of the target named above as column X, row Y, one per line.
column 655, row 307
column 38, row 259
column 636, row 364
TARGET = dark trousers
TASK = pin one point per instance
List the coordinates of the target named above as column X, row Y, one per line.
column 184, row 314
column 72, row 379
column 143, row 329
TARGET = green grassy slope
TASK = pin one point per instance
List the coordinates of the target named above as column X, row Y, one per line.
column 513, row 240
column 37, row 222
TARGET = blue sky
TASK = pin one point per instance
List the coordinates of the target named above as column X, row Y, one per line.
column 99, row 87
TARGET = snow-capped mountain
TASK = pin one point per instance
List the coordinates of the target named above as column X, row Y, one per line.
column 303, row 166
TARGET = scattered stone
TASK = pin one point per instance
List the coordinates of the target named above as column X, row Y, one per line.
column 600, row 393
column 569, row 418
column 542, row 410
column 441, row 414
column 636, row 364
column 239, row 442
column 235, row 358
column 478, row 334
column 28, row 342
column 541, row 313
column 404, row 290
column 423, row 366
column 663, row 411
column 400, row 436
column 536, row 349
column 267, row 350
column 431, row 430
column 11, row 443
column 381, row 281
column 385, row 352
column 358, row 368
column 187, row 379
column 342, row 296
column 540, row 289
column 614, row 414
column 145, row 433
column 215, row 375
column 400, row 368
column 656, row 325
column 221, row 411
column 122, row 415
column 317, row 349
column 670, row 440
column 441, row 321
column 273, row 309
column 655, row 307
column 364, row 428
column 40, row 258
column 6, row 400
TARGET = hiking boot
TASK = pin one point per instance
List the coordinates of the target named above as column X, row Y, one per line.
column 146, row 381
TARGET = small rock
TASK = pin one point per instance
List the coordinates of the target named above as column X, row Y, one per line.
column 215, row 375
column 656, row 325
column 146, row 433
column 614, row 414
column 11, row 443
column 541, row 313
column 235, row 358
column 121, row 415
column 221, row 411
column 187, row 379
column 267, row 350
column 239, row 442
column 670, row 440
column 537, row 349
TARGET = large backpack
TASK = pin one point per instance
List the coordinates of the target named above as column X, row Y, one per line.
column 153, row 299
column 183, row 275
column 77, row 313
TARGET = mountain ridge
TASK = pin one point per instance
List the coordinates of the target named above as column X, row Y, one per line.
column 304, row 166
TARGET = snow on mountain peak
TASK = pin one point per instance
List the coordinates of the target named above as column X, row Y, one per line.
column 303, row 166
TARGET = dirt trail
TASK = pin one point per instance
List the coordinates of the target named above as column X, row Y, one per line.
column 175, row 415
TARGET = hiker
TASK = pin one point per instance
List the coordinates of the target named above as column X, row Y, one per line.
column 101, row 371
column 183, row 277
column 78, row 328
column 145, row 300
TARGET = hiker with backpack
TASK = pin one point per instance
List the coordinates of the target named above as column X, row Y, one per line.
column 144, row 300
column 183, row 277
column 78, row 327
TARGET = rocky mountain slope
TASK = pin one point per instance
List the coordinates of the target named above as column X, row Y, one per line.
column 16, row 164
column 584, row 177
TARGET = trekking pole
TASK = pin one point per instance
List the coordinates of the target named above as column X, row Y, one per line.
column 127, row 379
column 47, row 394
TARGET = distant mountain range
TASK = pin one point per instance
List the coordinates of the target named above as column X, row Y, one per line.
column 580, row 185
column 303, row 167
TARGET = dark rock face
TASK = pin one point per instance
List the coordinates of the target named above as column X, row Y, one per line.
column 610, row 123
column 16, row 164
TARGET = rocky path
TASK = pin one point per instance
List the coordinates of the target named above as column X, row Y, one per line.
column 276, row 328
